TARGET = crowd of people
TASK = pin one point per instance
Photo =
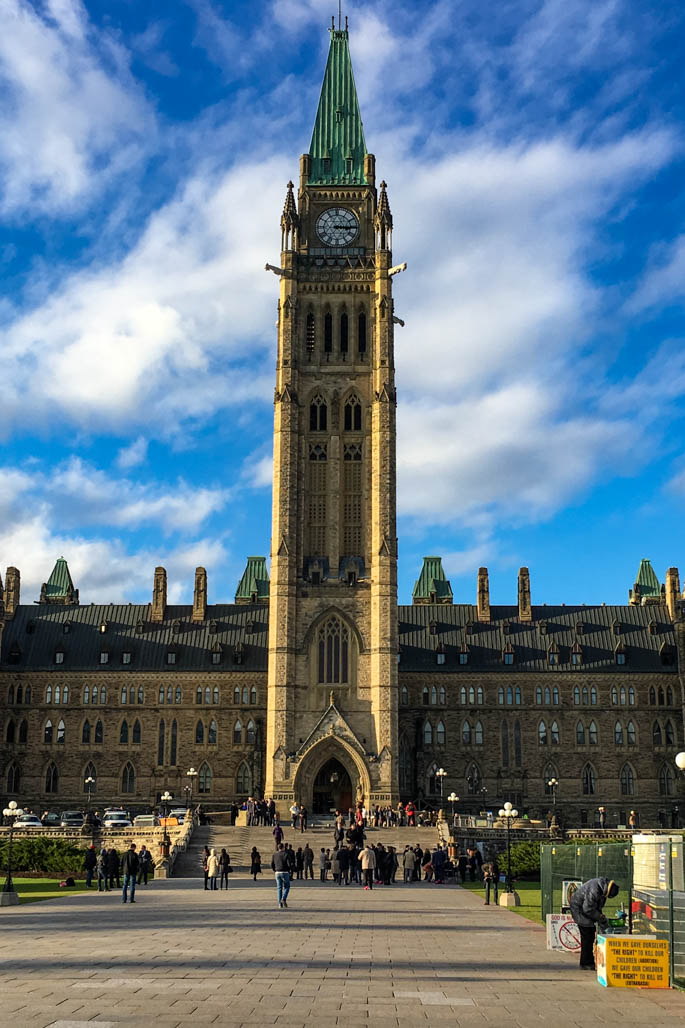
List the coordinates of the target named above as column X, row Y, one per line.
column 110, row 869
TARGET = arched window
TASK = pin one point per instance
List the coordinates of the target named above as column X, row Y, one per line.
column 85, row 733
column 478, row 734
column 94, row 694
column 318, row 415
column 103, row 694
column 251, row 733
column 669, row 696
column 404, row 696
column 580, row 733
column 128, row 779
column 425, row 696
column 86, row 694
column 160, row 698
column 554, row 733
column 473, row 779
column 48, row 694
column 344, row 333
column 549, row 774
column 586, row 696
column 618, row 734
column 333, row 652
column 652, row 696
column 500, row 696
column 47, row 735
column 427, row 734
column 58, row 694
column 434, row 696
column 614, row 695
column 466, row 733
column 662, row 699
column 479, row 695
column 631, row 696
column 666, row 781
column 361, row 333
column 238, row 733
column 669, row 734
column 10, row 696
column 353, row 415
column 9, row 733
column 440, row 734
column 177, row 695
column 630, row 734
column 517, row 693
column 199, row 733
column 215, row 694
column 198, row 694
column 236, row 696
column 23, row 732
column 204, row 779
column 588, row 779
column 555, row 696
column 433, row 780
column 13, row 778
column 208, row 695
column 310, row 341
column 462, row 695
column 576, row 695
column 243, row 781
column 510, row 696
column 592, row 734
column 245, row 695
column 517, row 743
column 123, row 732
column 328, row 332
column 136, row 731
column 472, row 696
column 212, row 733
column 160, row 744
column 52, row 778
column 174, row 743
column 253, row 695
column 542, row 734
column 98, row 731
column 623, row 694
column 124, row 694
column 504, row 741
column 656, row 733
column 627, row 781
column 593, row 696
column 90, row 772
column 538, row 695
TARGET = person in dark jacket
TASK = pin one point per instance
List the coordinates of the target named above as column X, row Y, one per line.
column 101, row 866
column 308, row 854
column 587, row 910
column 145, row 865
column 129, row 868
column 281, row 868
column 113, row 868
column 89, row 864
column 255, row 863
column 491, row 879
column 224, row 865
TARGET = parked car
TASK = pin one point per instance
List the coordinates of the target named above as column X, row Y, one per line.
column 116, row 819
column 71, row 819
column 179, row 813
column 28, row 821
column 51, row 819
column 146, row 821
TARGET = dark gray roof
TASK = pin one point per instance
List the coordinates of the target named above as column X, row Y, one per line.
column 646, row 650
column 40, row 630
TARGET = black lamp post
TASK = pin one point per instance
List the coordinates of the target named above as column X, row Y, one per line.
column 9, row 895
column 508, row 814
column 166, row 797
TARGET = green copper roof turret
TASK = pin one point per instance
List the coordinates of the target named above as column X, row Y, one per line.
column 59, row 587
column 254, row 585
column 647, row 580
column 432, row 586
column 338, row 146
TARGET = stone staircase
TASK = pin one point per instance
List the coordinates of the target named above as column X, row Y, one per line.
column 240, row 840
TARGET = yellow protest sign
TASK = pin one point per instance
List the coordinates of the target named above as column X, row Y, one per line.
column 629, row 961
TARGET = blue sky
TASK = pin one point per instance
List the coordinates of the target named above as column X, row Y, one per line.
column 534, row 155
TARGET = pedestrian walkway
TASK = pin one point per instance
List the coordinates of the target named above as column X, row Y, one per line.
column 403, row 956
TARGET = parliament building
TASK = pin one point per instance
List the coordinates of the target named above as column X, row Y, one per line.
column 314, row 684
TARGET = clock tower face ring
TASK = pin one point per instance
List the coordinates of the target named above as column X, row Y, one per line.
column 337, row 226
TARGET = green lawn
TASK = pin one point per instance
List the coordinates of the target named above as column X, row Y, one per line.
column 33, row 889
column 530, row 898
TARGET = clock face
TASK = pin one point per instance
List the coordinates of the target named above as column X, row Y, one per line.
column 337, row 226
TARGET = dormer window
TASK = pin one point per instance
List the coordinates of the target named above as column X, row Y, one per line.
column 140, row 627
column 506, row 628
column 104, row 656
column 653, row 628
column 126, row 657
column 351, row 577
column 580, row 627
column 59, row 656
column 433, row 628
column 15, row 653
column 176, row 627
column 464, row 655
column 171, row 657
column 216, row 657
column 508, row 655
column 66, row 627
column 249, row 628
column 348, row 165
column 238, row 653
column 315, row 578
column 30, row 627
column 326, row 162
column 576, row 655
column 468, row 627
column 553, row 655
column 440, row 654
column 212, row 628
column 103, row 627
column 616, row 628
column 667, row 655
column 543, row 628
column 620, row 655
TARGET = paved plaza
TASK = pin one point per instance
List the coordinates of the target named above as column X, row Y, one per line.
column 406, row 955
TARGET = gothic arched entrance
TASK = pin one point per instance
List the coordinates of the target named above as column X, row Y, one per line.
column 332, row 789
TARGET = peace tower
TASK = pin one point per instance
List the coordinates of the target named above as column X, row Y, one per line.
column 332, row 666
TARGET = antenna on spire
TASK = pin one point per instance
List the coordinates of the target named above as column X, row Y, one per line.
column 339, row 14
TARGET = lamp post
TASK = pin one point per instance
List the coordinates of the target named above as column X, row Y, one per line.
column 9, row 896
column 509, row 898
column 89, row 783
column 191, row 775
column 453, row 798
column 553, row 784
column 166, row 798
column 440, row 774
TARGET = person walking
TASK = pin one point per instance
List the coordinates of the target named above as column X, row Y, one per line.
column 224, row 868
column 367, row 859
column 491, row 879
column 90, row 864
column 205, row 865
column 295, row 814
column 278, row 835
column 146, row 866
column 323, row 864
column 408, row 864
column 303, row 818
column 101, row 869
column 344, row 865
column 279, row 865
column 255, row 863
column 299, row 863
column 212, row 869
column 129, row 869
column 587, row 910
column 308, row 854
column 113, row 868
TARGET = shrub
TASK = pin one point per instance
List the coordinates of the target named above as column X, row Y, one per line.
column 58, row 855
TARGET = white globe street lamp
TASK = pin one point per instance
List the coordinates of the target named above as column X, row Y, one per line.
column 510, row 897
column 440, row 774
column 9, row 895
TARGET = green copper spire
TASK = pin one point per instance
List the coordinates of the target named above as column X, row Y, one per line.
column 59, row 587
column 254, row 585
column 432, row 586
column 338, row 146
column 647, row 580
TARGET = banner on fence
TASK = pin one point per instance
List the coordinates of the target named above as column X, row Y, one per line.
column 628, row 961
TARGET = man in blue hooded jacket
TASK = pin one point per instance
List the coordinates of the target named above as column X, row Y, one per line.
column 587, row 910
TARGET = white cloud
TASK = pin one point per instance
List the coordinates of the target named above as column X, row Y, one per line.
column 71, row 115
column 664, row 279
column 133, row 455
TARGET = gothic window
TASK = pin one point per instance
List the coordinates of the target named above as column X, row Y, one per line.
column 251, row 733
column 253, row 695
column 586, row 696
column 517, row 694
column 311, row 335
column 65, row 694
column 177, row 697
column 204, row 779
column 52, row 778
column 504, row 740
column 90, row 772
column 588, row 780
column 652, row 696
column 666, row 781
column 500, row 695
column 94, row 695
column 554, row 733
column 472, row 696
column 208, row 695
column 198, row 694
column 593, row 696
column 238, row 733
column 538, row 695
column 86, row 695
column 333, row 652
column 85, row 733
column 669, row 734
column 23, row 732
column 669, row 696
column 510, row 696
column 47, row 736
column 656, row 733
column 479, row 695
column 442, row 696
column 548, row 695
column 433, row 782
column 478, row 734
column 618, row 734
column 353, row 415
column 160, row 744
column 211, row 734
column 361, row 333
column 128, row 779
column 124, row 694
column 623, row 695
column 215, row 694
column 245, row 695
column 174, row 743
column 631, row 696
column 661, row 696
column 466, row 733
column 243, row 782
column 123, row 732
column 542, row 734
column 473, row 779
column 630, row 734
column 318, row 415
column 592, row 734
column 160, row 698
column 404, row 696
column 57, row 694
column 434, row 696
column 136, row 731
column 549, row 773
column 580, row 733
column 328, row 333
column 98, row 731
column 48, row 694
column 236, row 696
column 199, row 733
column 352, row 498
column 627, row 781
column 555, row 696
column 13, row 778
column 344, row 332
column 614, row 695
column 462, row 694
column 10, row 696
column 517, row 743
